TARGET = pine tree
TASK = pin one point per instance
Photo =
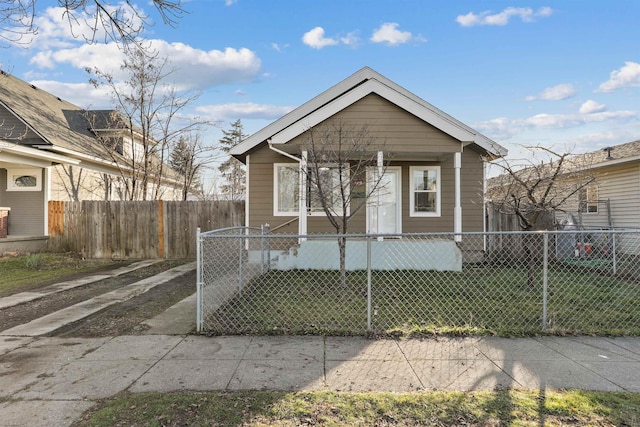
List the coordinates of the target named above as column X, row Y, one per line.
column 232, row 170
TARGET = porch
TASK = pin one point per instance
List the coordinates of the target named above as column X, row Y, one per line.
column 23, row 243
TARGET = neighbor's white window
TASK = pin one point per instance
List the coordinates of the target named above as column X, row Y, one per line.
column 425, row 191
column 588, row 199
column 329, row 181
column 24, row 179
column 286, row 196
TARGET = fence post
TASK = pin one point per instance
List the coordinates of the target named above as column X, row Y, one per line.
column 369, row 284
column 545, row 272
column 613, row 254
column 240, row 264
column 199, row 320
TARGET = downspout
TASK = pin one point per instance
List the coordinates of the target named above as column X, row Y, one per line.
column 302, row 220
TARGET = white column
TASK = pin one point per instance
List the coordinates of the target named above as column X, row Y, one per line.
column 457, row 210
column 302, row 220
column 380, row 164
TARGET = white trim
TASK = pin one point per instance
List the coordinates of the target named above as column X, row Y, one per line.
column 398, row 190
column 47, row 190
column 276, row 212
column 366, row 74
column 437, row 213
column 457, row 209
column 13, row 172
column 246, row 192
column 373, row 86
column 8, row 149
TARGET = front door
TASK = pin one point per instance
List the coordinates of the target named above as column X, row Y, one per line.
column 384, row 212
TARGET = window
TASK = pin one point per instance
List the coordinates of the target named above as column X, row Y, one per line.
column 286, row 194
column 588, row 199
column 425, row 191
column 24, row 179
column 330, row 183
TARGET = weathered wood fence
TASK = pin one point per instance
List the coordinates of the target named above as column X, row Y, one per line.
column 136, row 230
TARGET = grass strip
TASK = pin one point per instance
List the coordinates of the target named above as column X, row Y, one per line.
column 21, row 273
column 438, row 408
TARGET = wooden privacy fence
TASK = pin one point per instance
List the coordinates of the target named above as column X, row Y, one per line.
column 136, row 230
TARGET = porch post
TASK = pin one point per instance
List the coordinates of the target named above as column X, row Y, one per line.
column 457, row 210
column 302, row 220
column 380, row 164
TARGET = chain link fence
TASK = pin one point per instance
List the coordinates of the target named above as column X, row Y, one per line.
column 508, row 283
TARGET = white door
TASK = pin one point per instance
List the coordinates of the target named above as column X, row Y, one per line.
column 384, row 212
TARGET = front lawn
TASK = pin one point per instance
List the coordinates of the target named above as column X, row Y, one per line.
column 26, row 272
column 437, row 408
column 482, row 300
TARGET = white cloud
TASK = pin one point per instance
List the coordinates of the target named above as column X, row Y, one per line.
column 555, row 93
column 57, row 29
column 590, row 106
column 526, row 14
column 195, row 69
column 83, row 95
column 245, row 110
column 626, row 76
column 502, row 127
column 279, row 48
column 230, row 2
column 315, row 38
column 389, row 34
column 351, row 39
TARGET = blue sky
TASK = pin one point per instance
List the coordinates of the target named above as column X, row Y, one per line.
column 563, row 74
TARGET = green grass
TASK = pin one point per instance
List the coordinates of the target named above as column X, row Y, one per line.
column 496, row 301
column 441, row 408
column 24, row 272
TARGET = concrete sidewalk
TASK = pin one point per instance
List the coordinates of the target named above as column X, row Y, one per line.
column 51, row 381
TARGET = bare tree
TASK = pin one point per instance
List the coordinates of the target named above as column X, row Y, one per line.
column 148, row 122
column 533, row 190
column 343, row 174
column 93, row 20
column 189, row 158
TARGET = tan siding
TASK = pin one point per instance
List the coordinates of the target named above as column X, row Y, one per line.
column 261, row 190
column 261, row 196
column 392, row 126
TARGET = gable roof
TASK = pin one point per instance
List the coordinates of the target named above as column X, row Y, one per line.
column 351, row 90
column 60, row 126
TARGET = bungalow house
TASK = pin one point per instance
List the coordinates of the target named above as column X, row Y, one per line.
column 433, row 164
column 48, row 151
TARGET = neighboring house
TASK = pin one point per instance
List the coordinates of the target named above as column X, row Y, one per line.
column 48, row 152
column 421, row 144
column 613, row 199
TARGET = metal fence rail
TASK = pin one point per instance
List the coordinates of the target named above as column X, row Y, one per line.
column 251, row 281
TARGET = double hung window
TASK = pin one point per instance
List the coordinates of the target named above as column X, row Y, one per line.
column 425, row 190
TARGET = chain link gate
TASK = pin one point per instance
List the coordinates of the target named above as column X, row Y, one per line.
column 253, row 282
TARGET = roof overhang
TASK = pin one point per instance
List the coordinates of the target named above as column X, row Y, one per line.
column 14, row 153
column 349, row 91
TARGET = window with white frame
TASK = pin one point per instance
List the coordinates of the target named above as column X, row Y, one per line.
column 425, row 191
column 25, row 179
column 286, row 192
column 588, row 199
column 332, row 186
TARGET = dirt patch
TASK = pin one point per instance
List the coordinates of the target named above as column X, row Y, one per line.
column 125, row 318
column 24, row 313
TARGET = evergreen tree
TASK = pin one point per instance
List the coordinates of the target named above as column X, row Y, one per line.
column 232, row 170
